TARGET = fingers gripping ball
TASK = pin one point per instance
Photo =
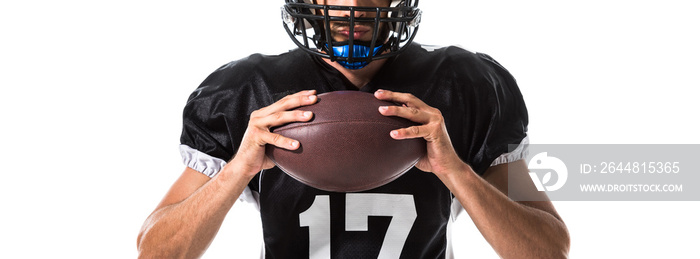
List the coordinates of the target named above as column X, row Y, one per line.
column 346, row 147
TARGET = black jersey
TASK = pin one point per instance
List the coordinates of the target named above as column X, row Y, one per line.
column 483, row 109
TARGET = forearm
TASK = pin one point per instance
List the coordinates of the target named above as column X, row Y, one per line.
column 514, row 230
column 185, row 229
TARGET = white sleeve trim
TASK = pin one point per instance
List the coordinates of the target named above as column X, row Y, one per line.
column 250, row 197
column 200, row 161
column 210, row 166
column 455, row 210
column 518, row 153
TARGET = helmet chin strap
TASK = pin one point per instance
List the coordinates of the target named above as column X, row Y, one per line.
column 358, row 51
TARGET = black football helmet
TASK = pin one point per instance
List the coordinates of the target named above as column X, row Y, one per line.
column 394, row 27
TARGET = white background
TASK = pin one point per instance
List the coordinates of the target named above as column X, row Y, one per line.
column 92, row 94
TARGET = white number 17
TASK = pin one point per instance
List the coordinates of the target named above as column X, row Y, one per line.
column 359, row 206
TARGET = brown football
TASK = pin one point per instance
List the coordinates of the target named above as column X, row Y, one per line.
column 346, row 147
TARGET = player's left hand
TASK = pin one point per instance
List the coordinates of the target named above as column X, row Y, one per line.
column 441, row 157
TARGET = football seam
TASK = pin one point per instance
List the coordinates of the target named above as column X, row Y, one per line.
column 304, row 124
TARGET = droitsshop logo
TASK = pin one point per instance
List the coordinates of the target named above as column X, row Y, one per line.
column 547, row 166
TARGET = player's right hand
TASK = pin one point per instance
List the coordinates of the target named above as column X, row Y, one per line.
column 250, row 157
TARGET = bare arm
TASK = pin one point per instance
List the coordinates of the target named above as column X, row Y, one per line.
column 531, row 229
column 514, row 229
column 186, row 221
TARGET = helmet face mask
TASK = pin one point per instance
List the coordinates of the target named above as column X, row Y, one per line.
column 351, row 35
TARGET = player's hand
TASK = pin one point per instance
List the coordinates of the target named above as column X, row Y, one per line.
column 440, row 157
column 250, row 156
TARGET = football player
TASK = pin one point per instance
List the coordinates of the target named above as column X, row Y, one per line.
column 469, row 109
